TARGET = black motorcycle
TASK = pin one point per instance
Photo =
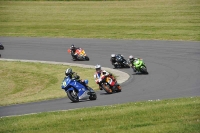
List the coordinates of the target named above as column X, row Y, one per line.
column 1, row 47
column 121, row 62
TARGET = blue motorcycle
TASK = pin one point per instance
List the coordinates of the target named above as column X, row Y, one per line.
column 77, row 91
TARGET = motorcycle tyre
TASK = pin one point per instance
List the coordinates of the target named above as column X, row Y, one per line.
column 144, row 70
column 71, row 97
column 93, row 96
column 1, row 47
column 87, row 58
column 107, row 88
column 119, row 89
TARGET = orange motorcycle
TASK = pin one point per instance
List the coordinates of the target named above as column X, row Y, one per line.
column 110, row 85
column 80, row 54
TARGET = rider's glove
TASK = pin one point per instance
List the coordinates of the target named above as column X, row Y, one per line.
column 98, row 81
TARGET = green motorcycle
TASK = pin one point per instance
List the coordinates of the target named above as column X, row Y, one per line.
column 140, row 66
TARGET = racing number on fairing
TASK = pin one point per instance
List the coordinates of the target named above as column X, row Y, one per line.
column 64, row 84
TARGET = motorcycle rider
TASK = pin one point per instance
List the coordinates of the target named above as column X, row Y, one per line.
column 73, row 50
column 131, row 61
column 113, row 59
column 1, row 47
column 100, row 75
column 72, row 75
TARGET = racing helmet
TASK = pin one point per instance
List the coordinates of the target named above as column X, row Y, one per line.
column 98, row 67
column 104, row 72
column 113, row 55
column 68, row 72
column 72, row 47
column 131, row 58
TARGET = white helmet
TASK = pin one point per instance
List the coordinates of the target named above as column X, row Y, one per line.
column 113, row 55
column 130, row 57
column 98, row 66
column 104, row 72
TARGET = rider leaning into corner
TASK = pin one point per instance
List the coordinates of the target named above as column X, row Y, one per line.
column 72, row 75
column 131, row 60
column 1, row 48
column 113, row 59
column 73, row 50
column 100, row 75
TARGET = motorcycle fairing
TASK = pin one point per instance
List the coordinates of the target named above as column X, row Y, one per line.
column 137, row 63
column 110, row 81
column 71, row 84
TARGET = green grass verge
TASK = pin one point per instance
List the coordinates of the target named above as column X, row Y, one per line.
column 165, row 116
column 25, row 82
column 137, row 19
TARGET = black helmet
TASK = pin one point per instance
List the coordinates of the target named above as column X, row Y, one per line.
column 68, row 72
column 72, row 46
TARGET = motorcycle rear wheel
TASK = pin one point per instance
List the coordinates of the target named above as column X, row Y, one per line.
column 144, row 70
column 93, row 96
column 87, row 58
column 119, row 89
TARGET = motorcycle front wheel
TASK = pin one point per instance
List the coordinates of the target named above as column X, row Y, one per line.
column 107, row 88
column 73, row 96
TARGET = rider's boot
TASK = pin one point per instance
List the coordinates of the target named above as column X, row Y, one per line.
column 134, row 69
column 100, row 88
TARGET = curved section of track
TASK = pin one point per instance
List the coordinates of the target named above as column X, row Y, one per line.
column 174, row 68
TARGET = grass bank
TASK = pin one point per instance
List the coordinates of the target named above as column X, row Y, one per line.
column 174, row 116
column 25, row 82
column 137, row 19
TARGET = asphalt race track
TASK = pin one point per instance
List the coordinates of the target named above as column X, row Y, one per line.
column 173, row 66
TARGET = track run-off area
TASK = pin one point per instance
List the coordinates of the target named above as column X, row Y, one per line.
column 173, row 66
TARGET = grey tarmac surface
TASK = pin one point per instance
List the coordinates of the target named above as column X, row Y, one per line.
column 173, row 66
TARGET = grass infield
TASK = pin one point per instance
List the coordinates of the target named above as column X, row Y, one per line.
column 26, row 82
column 135, row 19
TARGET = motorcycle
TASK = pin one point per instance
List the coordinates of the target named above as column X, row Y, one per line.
column 1, row 47
column 80, row 55
column 121, row 62
column 77, row 91
column 140, row 66
column 110, row 85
